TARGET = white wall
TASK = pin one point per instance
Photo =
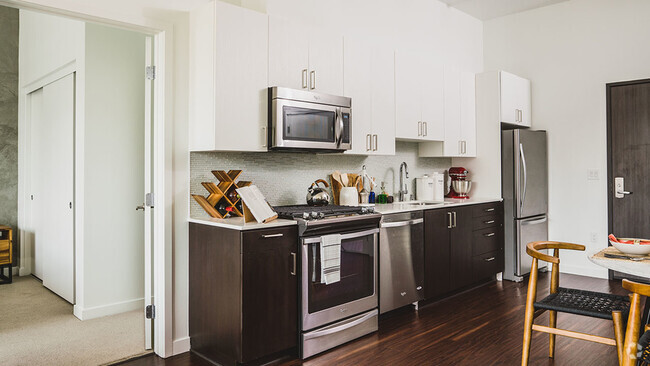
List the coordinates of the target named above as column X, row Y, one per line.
column 570, row 51
column 113, row 170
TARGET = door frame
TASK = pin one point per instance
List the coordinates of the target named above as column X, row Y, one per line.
column 610, row 163
column 162, row 33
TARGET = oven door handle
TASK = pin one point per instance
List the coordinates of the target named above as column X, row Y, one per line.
column 359, row 234
column 342, row 327
column 339, row 121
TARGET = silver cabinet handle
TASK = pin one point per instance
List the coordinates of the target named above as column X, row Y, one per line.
column 489, row 234
column 293, row 256
column 455, row 219
column 419, row 128
column 374, row 146
column 368, row 142
column 312, row 79
column 489, row 222
column 450, row 225
column 304, row 78
column 264, row 136
column 464, row 147
column 489, row 209
column 460, row 147
column 426, row 129
column 272, row 236
column 489, row 259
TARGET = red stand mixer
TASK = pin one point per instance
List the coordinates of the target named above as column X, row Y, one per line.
column 459, row 185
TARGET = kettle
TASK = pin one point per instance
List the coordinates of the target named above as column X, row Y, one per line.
column 317, row 196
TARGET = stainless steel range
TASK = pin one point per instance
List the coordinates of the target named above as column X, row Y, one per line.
column 339, row 274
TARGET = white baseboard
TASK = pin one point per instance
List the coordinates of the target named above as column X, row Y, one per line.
column 110, row 309
column 181, row 345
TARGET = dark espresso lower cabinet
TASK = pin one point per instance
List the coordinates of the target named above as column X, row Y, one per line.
column 243, row 293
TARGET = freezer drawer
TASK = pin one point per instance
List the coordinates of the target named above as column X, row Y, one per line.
column 528, row 230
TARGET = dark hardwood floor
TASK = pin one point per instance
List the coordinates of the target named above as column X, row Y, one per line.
column 483, row 326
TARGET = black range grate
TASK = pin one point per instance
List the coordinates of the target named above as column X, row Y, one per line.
column 298, row 211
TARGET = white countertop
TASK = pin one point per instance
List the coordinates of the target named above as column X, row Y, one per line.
column 397, row 207
column 237, row 223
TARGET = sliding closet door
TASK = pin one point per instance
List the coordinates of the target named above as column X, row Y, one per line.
column 38, row 152
column 53, row 180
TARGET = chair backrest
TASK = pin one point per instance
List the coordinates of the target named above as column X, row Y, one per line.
column 533, row 249
column 639, row 288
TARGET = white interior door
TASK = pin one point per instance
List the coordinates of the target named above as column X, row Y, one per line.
column 38, row 146
column 148, row 187
column 55, row 178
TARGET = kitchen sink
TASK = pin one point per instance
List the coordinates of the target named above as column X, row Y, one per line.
column 424, row 203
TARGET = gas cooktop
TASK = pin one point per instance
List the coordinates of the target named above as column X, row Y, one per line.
column 306, row 212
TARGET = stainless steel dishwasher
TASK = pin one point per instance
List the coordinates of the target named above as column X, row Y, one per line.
column 401, row 260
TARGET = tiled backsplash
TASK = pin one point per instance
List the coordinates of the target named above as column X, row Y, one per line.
column 284, row 178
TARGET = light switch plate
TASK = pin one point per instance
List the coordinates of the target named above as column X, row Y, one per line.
column 593, row 174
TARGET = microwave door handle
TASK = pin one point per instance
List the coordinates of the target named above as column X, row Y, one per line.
column 339, row 119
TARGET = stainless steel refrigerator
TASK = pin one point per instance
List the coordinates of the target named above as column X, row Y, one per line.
column 524, row 182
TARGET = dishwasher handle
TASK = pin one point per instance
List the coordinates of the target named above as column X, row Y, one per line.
column 401, row 223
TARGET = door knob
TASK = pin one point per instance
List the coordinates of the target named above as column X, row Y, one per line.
column 619, row 187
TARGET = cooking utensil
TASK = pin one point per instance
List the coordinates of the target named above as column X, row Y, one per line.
column 317, row 196
column 344, row 180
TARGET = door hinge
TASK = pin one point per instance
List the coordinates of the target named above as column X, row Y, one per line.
column 149, row 199
column 151, row 72
column 150, row 312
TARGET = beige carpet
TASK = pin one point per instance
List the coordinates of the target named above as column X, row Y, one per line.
column 38, row 328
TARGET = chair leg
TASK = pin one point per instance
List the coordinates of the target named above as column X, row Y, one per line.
column 618, row 334
column 552, row 323
column 530, row 313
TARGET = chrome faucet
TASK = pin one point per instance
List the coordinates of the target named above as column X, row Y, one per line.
column 403, row 182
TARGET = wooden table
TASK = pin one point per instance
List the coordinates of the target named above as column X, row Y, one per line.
column 628, row 266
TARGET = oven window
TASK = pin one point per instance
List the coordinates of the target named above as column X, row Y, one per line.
column 357, row 274
column 304, row 124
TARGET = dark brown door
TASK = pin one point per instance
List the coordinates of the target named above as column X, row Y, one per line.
column 269, row 292
column 461, row 247
column 436, row 252
column 628, row 128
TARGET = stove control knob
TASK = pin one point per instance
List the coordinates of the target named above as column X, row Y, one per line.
column 305, row 215
column 364, row 210
column 371, row 210
column 321, row 215
column 314, row 215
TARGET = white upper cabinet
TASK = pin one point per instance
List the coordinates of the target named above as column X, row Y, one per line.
column 515, row 99
column 301, row 57
column 369, row 81
column 459, row 117
column 418, row 97
column 228, row 78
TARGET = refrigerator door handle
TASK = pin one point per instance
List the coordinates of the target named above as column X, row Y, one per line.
column 534, row 222
column 523, row 163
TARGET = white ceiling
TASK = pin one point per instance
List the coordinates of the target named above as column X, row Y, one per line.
column 488, row 9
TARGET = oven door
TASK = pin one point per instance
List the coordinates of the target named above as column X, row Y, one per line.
column 301, row 125
column 355, row 293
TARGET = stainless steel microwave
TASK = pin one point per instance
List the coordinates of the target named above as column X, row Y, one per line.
column 302, row 120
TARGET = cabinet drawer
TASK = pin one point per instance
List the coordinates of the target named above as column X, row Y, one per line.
column 486, row 265
column 483, row 222
column 4, row 246
column 487, row 209
column 268, row 239
column 486, row 240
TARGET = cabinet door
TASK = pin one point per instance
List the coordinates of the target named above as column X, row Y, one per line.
column 432, row 100
column 269, row 292
column 525, row 102
column 468, row 113
column 357, row 85
column 408, row 111
column 241, row 79
column 452, row 145
column 326, row 63
column 288, row 57
column 510, row 98
column 461, row 247
column 382, row 71
column 437, row 279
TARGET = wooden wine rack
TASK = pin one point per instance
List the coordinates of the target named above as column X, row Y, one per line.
column 219, row 192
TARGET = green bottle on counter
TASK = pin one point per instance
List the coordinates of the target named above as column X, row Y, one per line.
column 382, row 197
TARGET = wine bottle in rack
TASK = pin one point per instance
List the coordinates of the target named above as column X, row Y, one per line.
column 224, row 208
column 232, row 195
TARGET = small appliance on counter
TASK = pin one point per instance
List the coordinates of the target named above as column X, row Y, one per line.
column 317, row 196
column 459, row 184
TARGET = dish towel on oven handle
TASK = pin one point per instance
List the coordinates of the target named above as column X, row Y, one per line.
column 330, row 258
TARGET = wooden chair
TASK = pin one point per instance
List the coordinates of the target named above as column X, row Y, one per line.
column 579, row 302
column 638, row 294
